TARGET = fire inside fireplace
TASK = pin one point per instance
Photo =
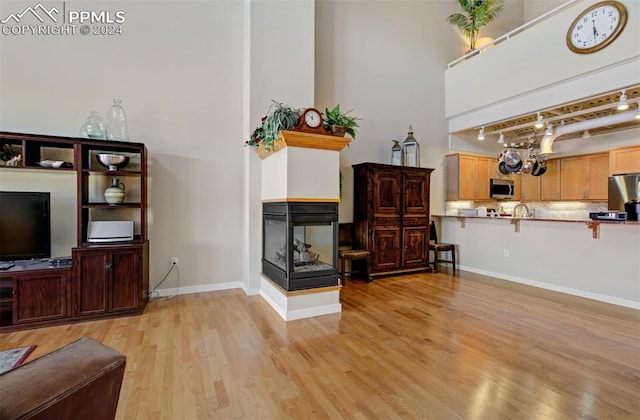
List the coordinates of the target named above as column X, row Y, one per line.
column 299, row 249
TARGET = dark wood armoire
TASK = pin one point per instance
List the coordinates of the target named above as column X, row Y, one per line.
column 391, row 217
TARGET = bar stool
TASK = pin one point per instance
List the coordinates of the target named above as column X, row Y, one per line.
column 438, row 247
column 345, row 239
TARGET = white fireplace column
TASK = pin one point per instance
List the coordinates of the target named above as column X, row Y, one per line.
column 303, row 167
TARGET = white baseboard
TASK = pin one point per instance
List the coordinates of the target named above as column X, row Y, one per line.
column 567, row 290
column 199, row 289
column 306, row 306
column 295, row 307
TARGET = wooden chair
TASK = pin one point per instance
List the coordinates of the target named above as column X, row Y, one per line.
column 438, row 247
column 345, row 252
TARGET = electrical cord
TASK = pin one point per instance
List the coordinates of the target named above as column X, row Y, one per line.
column 157, row 294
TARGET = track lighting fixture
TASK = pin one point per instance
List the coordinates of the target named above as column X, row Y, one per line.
column 586, row 134
column 481, row 134
column 623, row 104
column 539, row 123
column 549, row 130
column 637, row 117
column 501, row 138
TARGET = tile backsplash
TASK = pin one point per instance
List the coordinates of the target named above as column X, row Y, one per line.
column 571, row 210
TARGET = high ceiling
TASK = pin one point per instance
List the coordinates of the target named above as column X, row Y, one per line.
column 522, row 128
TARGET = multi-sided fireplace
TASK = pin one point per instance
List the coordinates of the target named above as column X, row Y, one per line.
column 299, row 249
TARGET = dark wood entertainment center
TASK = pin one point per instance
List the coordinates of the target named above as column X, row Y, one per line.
column 103, row 279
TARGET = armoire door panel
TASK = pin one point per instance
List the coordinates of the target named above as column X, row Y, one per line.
column 386, row 245
column 387, row 186
column 416, row 193
column 416, row 246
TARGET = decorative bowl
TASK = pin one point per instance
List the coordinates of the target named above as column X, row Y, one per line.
column 50, row 163
column 112, row 161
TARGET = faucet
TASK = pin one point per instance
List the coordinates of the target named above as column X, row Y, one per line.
column 527, row 213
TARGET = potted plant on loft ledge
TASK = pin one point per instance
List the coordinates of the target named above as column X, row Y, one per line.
column 339, row 123
column 475, row 14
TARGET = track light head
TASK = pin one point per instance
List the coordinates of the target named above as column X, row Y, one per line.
column 539, row 123
column 481, row 134
column 501, row 138
column 549, row 130
column 623, row 103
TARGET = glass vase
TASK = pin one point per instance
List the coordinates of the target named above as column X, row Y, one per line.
column 93, row 127
column 117, row 123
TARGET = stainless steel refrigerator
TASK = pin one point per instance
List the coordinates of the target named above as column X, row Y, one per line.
column 622, row 189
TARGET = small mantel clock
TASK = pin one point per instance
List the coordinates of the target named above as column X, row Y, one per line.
column 311, row 121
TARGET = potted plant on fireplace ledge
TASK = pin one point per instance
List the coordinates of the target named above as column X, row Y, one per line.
column 339, row 123
column 279, row 117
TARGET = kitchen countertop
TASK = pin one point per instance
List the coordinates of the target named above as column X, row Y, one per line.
column 542, row 219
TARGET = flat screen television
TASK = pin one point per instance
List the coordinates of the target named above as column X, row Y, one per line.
column 25, row 225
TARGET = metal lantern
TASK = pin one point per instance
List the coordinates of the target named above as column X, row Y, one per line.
column 396, row 153
column 410, row 150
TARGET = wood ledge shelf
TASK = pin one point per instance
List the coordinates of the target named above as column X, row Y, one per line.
column 304, row 140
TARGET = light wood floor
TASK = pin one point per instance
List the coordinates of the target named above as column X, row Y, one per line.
column 430, row 346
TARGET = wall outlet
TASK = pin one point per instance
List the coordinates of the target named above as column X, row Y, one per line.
column 174, row 260
column 505, row 252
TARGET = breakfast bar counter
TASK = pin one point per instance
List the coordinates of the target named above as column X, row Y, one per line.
column 552, row 253
column 594, row 225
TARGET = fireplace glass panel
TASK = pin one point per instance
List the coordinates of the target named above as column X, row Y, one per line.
column 312, row 247
column 300, row 243
column 275, row 239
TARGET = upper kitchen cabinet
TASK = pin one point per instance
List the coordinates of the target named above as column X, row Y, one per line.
column 529, row 187
column 550, row 181
column 625, row 160
column 584, row 177
column 468, row 177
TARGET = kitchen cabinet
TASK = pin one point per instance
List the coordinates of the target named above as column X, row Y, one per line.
column 109, row 280
column 391, row 216
column 529, row 187
column 625, row 160
column 550, row 181
column 584, row 177
column 468, row 177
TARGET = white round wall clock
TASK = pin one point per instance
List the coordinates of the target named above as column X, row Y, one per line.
column 596, row 27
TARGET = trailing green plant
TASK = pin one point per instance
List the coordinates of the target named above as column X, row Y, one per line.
column 7, row 152
column 335, row 117
column 279, row 117
column 475, row 14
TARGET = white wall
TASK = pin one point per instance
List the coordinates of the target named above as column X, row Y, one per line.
column 178, row 70
column 538, row 63
column 386, row 60
column 278, row 66
column 560, row 256
column 194, row 86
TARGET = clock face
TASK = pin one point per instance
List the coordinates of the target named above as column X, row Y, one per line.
column 312, row 118
column 596, row 27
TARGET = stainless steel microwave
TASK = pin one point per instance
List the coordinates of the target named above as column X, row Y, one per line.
column 501, row 188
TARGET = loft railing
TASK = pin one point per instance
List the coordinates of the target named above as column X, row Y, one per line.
column 512, row 33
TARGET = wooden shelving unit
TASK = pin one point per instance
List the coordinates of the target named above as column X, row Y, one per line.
column 104, row 279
